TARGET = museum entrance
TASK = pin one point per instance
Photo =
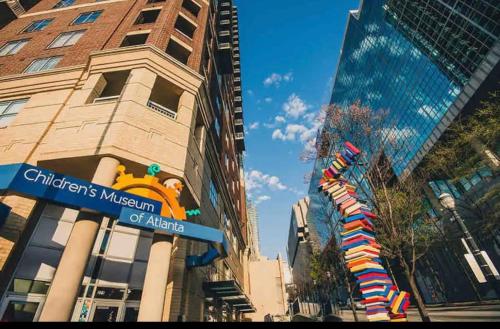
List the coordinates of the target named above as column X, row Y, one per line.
column 106, row 311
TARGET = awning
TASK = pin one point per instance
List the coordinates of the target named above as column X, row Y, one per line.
column 230, row 292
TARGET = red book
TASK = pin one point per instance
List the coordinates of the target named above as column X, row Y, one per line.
column 371, row 275
column 369, row 214
column 358, row 238
column 352, row 148
column 373, row 300
column 356, row 224
column 347, row 204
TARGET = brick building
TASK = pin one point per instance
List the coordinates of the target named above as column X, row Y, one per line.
column 86, row 86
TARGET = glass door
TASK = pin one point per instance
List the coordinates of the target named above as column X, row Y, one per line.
column 26, row 309
column 105, row 312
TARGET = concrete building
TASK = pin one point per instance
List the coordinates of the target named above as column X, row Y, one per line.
column 253, row 221
column 87, row 86
column 268, row 294
column 299, row 248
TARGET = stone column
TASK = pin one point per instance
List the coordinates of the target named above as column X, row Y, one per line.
column 156, row 279
column 65, row 286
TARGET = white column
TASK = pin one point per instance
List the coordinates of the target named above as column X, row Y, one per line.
column 65, row 286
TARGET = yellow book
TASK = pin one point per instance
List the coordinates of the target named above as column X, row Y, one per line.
column 335, row 194
column 362, row 248
column 366, row 266
column 337, row 165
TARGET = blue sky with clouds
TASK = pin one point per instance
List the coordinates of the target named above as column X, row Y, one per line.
column 289, row 52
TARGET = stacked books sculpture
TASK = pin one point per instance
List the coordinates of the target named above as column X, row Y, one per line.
column 361, row 251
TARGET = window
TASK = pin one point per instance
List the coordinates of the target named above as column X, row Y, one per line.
column 177, row 51
column 164, row 98
column 134, row 39
column 89, row 17
column 213, row 194
column 9, row 109
column 12, row 47
column 109, row 87
column 185, row 27
column 67, row 39
column 155, row 1
column 43, row 64
column 217, row 126
column 64, row 3
column 191, row 6
column 38, row 25
column 147, row 16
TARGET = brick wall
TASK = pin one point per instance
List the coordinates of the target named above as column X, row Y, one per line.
column 116, row 20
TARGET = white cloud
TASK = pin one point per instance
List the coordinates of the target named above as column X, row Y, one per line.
column 295, row 131
column 254, row 125
column 397, row 134
column 256, row 180
column 268, row 99
column 428, row 112
column 276, row 79
column 288, row 77
column 250, row 92
column 262, row 198
column 280, row 119
column 295, row 106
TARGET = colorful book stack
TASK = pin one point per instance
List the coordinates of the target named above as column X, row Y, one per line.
column 361, row 251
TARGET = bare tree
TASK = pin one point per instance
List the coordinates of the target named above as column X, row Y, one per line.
column 401, row 225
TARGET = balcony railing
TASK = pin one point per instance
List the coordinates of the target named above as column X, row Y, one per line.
column 240, row 135
column 106, row 99
column 162, row 110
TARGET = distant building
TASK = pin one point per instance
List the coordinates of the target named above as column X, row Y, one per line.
column 253, row 222
column 299, row 245
column 267, row 290
column 303, row 301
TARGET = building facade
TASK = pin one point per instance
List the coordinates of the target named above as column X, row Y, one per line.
column 425, row 63
column 268, row 293
column 87, row 86
column 253, row 221
column 299, row 247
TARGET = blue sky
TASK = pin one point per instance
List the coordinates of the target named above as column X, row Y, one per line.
column 289, row 52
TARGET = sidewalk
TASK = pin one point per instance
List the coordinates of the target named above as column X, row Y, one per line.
column 475, row 313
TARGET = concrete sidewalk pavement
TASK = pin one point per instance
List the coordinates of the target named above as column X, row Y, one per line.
column 476, row 313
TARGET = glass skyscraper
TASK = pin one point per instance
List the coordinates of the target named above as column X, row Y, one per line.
column 391, row 60
column 423, row 62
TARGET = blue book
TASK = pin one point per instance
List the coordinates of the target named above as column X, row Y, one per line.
column 370, row 270
column 353, row 218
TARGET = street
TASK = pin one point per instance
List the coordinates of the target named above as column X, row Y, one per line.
column 454, row 314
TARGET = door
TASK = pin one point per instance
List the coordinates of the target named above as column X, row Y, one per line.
column 21, row 308
column 105, row 312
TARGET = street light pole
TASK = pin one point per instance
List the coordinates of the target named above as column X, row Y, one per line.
column 448, row 202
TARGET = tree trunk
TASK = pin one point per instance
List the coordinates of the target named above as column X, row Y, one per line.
column 422, row 310
column 349, row 291
column 486, row 154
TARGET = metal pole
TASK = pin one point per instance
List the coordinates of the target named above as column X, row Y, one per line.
column 490, row 277
column 449, row 247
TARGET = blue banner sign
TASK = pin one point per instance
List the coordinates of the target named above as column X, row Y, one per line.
column 146, row 220
column 68, row 191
